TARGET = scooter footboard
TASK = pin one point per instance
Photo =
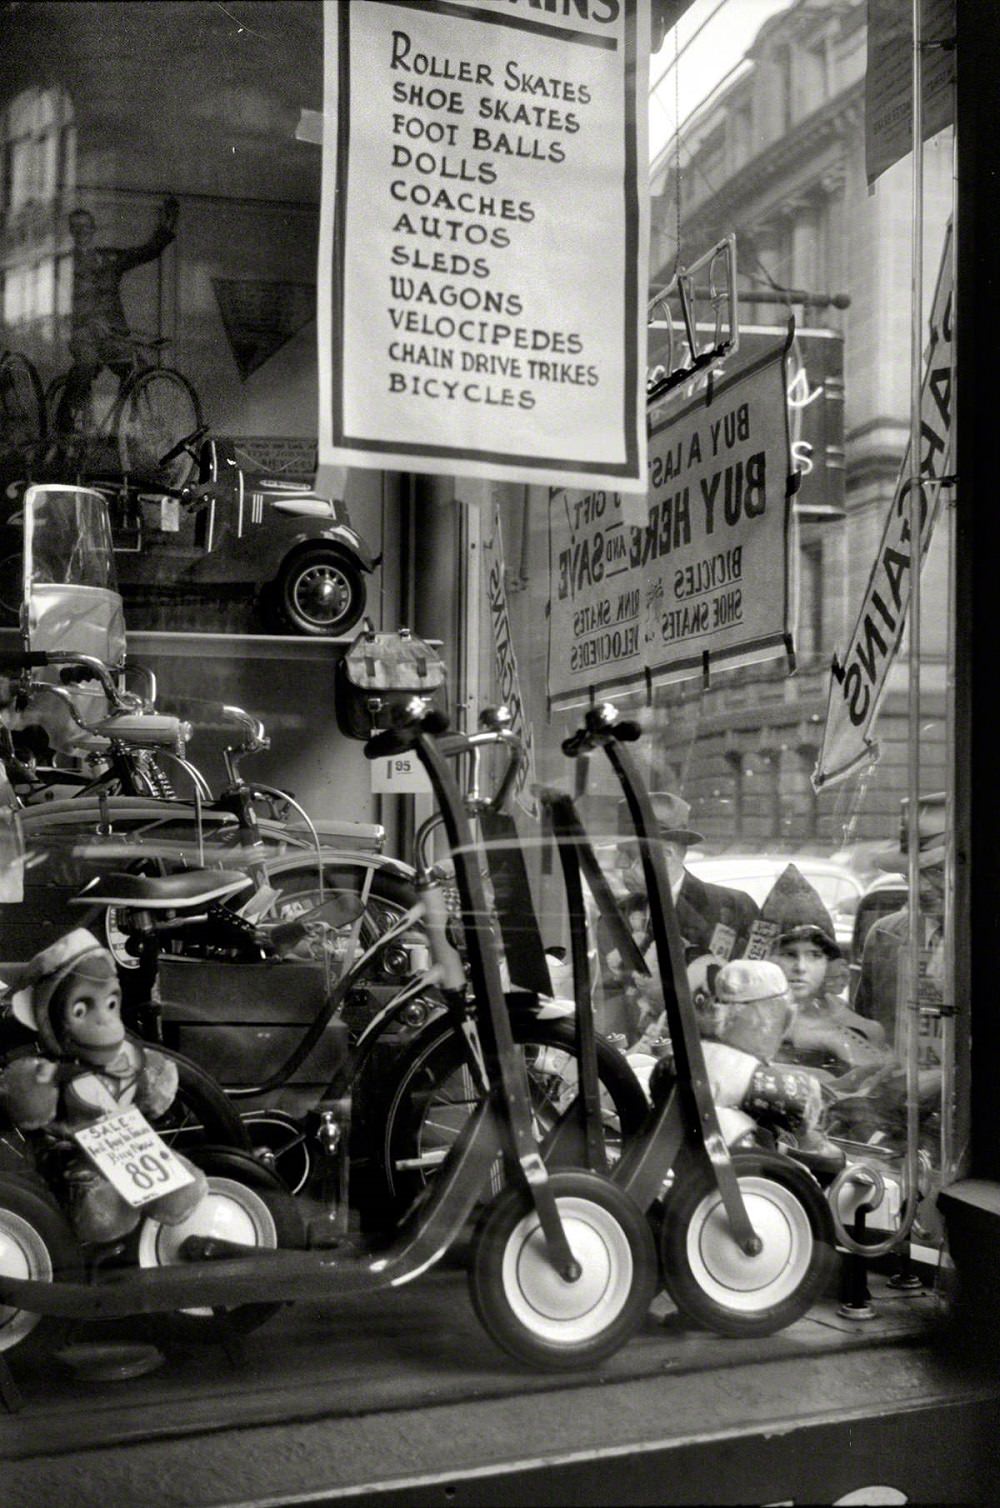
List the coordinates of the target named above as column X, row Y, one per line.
column 260, row 1277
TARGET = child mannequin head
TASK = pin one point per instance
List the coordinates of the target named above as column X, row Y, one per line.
column 803, row 957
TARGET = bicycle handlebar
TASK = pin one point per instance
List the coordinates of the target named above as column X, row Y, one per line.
column 31, row 659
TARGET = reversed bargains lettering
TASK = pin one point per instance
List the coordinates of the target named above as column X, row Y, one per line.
column 881, row 622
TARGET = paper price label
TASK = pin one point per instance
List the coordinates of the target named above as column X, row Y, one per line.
column 170, row 515
column 133, row 1157
column 399, row 775
column 763, row 936
column 722, row 941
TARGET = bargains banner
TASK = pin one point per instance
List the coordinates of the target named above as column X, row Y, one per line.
column 706, row 576
column 858, row 680
column 483, row 239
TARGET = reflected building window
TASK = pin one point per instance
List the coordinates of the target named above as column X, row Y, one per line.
column 810, row 625
column 38, row 137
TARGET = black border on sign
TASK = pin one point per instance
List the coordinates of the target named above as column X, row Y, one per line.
column 624, row 469
column 695, row 662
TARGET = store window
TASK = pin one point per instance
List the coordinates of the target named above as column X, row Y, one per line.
column 159, row 236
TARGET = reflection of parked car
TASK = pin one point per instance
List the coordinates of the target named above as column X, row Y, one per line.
column 882, row 896
column 296, row 550
column 839, row 889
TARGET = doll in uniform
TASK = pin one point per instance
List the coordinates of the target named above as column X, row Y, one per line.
column 85, row 1068
column 744, row 1012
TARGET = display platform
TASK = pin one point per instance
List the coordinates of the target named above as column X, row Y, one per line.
column 398, row 1400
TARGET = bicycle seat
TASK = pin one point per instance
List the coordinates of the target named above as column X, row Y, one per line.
column 193, row 888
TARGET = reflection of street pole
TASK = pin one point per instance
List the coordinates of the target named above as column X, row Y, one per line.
column 916, row 515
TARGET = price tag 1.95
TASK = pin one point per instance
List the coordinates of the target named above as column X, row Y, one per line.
column 133, row 1157
column 399, row 775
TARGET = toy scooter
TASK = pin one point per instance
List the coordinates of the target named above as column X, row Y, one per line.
column 746, row 1239
column 562, row 1265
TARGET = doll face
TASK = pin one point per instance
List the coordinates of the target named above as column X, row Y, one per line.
column 804, row 966
column 92, row 1015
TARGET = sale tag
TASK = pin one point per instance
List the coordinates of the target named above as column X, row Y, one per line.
column 399, row 775
column 133, row 1157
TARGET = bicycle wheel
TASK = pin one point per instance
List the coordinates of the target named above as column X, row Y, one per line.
column 201, row 1113
column 389, row 898
column 22, row 402
column 433, row 1094
column 158, row 408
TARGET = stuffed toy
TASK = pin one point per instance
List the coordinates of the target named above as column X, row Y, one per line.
column 85, row 1068
column 744, row 1012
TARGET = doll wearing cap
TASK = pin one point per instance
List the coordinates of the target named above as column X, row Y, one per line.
column 87, row 1068
column 744, row 1012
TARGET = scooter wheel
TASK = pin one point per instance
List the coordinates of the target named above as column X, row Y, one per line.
column 37, row 1243
column 245, row 1203
column 707, row 1275
column 528, row 1308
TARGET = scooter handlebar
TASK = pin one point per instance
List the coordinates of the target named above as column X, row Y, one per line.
column 601, row 725
column 404, row 734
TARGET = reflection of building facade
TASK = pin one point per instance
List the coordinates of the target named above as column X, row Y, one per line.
column 233, row 295
column 37, row 180
column 779, row 157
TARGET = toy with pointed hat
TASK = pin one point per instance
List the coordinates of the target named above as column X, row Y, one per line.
column 799, row 911
column 85, row 1068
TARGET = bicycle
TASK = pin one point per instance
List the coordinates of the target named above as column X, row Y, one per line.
column 146, row 421
column 130, row 810
column 22, row 403
column 414, row 1103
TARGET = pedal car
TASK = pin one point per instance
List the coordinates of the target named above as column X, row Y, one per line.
column 229, row 527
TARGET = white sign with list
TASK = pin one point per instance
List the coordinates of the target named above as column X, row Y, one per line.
column 483, row 239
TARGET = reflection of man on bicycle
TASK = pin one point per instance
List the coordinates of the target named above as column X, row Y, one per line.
column 99, row 331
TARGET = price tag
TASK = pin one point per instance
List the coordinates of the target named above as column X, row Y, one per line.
column 170, row 515
column 399, row 775
column 133, row 1157
column 722, row 941
column 763, row 936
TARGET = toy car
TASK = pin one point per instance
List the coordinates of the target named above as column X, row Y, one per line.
column 295, row 550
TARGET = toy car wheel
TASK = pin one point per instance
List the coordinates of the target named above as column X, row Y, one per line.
column 712, row 1280
column 318, row 591
column 35, row 1243
column 529, row 1308
column 247, row 1203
